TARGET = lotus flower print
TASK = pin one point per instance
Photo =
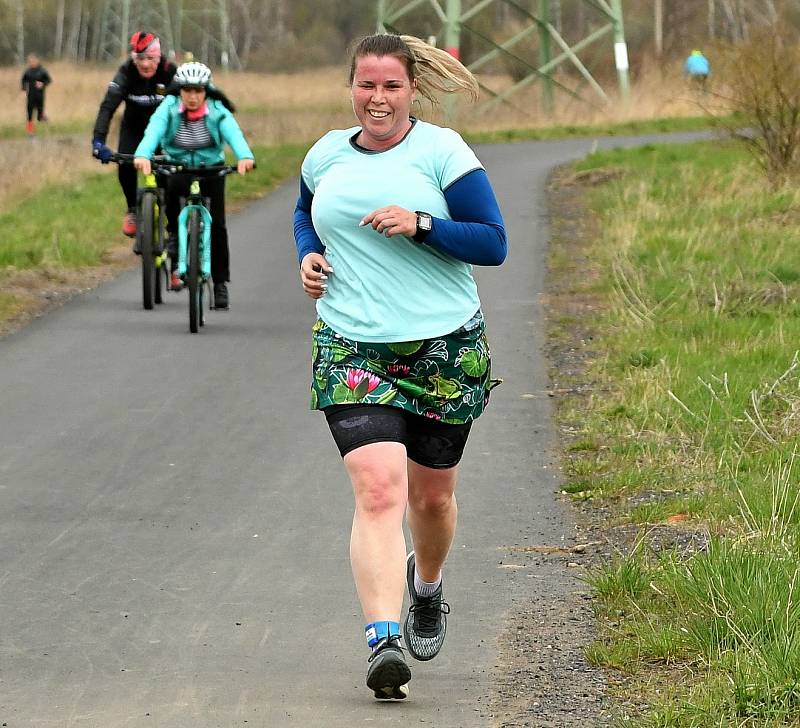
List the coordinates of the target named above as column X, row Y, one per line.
column 361, row 383
column 401, row 370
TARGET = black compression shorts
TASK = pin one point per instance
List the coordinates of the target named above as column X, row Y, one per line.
column 428, row 442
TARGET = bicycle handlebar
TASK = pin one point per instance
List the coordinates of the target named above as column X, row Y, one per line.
column 162, row 164
column 218, row 170
column 158, row 159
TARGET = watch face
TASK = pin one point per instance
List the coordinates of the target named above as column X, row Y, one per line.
column 424, row 221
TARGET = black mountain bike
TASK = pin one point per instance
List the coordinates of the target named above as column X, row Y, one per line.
column 151, row 234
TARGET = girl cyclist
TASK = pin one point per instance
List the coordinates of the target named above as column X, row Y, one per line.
column 192, row 126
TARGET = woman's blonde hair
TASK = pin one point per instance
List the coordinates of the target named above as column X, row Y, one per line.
column 433, row 69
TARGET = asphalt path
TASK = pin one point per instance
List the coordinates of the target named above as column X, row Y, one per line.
column 174, row 521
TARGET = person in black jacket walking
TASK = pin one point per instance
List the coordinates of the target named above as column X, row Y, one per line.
column 140, row 82
column 33, row 84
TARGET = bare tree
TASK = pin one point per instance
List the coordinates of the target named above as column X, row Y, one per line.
column 20, row 31
column 74, row 31
column 658, row 27
column 83, row 33
column 712, row 19
column 58, row 42
column 556, row 16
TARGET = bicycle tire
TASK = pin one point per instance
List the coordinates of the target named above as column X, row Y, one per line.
column 157, row 292
column 203, row 292
column 193, row 273
column 145, row 230
column 161, row 257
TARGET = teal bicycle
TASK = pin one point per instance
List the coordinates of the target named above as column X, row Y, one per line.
column 194, row 240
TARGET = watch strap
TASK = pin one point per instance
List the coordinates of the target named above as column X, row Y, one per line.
column 421, row 233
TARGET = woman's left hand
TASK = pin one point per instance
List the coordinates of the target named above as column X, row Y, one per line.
column 243, row 166
column 392, row 220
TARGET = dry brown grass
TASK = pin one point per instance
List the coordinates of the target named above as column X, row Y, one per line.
column 651, row 96
column 76, row 91
column 276, row 109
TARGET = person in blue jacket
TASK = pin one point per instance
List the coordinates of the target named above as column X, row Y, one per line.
column 697, row 68
column 192, row 126
column 391, row 217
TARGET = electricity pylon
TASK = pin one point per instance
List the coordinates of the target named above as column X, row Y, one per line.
column 455, row 18
column 121, row 18
column 208, row 25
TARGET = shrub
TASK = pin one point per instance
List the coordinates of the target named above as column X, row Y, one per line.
column 761, row 79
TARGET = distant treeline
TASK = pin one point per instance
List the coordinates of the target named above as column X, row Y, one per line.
column 283, row 35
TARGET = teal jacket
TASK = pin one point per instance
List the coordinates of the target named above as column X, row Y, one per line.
column 222, row 127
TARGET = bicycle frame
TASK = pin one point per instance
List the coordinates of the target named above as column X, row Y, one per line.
column 195, row 201
column 150, row 186
column 194, row 257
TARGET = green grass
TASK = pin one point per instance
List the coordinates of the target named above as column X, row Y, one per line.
column 74, row 225
column 49, row 129
column 629, row 128
column 696, row 332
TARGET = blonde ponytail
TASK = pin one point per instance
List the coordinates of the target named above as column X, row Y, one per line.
column 434, row 70
column 437, row 70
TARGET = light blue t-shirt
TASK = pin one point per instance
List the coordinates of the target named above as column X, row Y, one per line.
column 389, row 289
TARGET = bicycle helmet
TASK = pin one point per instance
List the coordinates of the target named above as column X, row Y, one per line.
column 193, row 74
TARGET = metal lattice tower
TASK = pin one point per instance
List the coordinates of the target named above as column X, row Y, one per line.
column 211, row 24
column 455, row 18
column 121, row 18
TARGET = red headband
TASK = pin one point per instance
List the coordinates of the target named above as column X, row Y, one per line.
column 141, row 42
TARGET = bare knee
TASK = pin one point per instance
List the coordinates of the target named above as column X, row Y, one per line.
column 380, row 487
column 430, row 490
column 379, row 497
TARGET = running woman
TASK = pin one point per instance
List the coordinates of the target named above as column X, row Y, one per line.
column 392, row 215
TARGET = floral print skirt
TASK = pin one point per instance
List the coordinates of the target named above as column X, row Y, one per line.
column 447, row 378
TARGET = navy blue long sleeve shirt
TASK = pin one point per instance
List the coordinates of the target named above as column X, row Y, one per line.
column 476, row 233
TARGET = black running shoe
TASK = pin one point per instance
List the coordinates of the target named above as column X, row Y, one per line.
column 220, row 296
column 426, row 623
column 388, row 674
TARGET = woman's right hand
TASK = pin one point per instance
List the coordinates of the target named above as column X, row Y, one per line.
column 314, row 272
column 142, row 164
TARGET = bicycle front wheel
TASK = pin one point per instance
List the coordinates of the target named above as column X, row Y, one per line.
column 145, row 229
column 159, row 256
column 193, row 273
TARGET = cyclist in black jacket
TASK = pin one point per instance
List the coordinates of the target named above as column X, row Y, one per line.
column 33, row 84
column 141, row 83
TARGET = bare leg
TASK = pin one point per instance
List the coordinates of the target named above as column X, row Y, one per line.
column 377, row 546
column 432, row 516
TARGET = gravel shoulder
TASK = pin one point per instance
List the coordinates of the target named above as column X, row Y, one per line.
column 542, row 678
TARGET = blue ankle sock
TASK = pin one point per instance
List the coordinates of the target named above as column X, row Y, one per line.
column 377, row 631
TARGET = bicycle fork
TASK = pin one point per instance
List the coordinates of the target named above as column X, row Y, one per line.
column 183, row 240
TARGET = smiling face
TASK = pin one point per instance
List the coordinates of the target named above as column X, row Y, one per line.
column 382, row 94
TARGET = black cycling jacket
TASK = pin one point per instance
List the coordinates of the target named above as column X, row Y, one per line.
column 141, row 97
column 31, row 76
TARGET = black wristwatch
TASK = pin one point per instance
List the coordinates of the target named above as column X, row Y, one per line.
column 424, row 226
